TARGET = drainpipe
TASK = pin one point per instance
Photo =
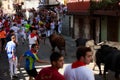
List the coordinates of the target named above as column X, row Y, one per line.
column 97, row 30
column 86, row 29
column 100, row 30
column 72, row 26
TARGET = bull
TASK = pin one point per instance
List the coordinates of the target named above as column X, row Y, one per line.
column 80, row 42
column 110, row 57
column 57, row 41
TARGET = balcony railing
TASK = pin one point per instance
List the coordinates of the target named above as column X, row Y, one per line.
column 105, row 5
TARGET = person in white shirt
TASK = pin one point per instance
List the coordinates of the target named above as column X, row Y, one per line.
column 12, row 58
column 23, row 33
column 33, row 37
column 59, row 26
column 78, row 69
column 52, row 27
column 1, row 25
column 16, row 30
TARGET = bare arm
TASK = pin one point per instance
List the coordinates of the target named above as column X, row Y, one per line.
column 38, row 60
column 42, row 61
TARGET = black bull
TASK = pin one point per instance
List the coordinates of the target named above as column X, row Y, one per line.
column 80, row 42
column 110, row 57
column 57, row 41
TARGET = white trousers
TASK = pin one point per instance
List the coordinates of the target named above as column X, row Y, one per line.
column 13, row 66
column 23, row 35
column 48, row 33
column 59, row 29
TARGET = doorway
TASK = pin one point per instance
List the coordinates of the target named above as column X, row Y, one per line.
column 112, row 28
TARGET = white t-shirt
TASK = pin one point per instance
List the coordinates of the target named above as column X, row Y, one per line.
column 32, row 40
column 52, row 25
column 16, row 29
column 80, row 73
column 59, row 24
column 22, row 29
column 10, row 46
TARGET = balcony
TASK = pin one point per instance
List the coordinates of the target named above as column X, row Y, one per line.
column 110, row 8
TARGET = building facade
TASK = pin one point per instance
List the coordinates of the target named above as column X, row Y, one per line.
column 82, row 23
column 93, row 23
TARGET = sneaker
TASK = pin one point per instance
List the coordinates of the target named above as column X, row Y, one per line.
column 11, row 77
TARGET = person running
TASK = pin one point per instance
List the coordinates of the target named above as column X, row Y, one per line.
column 31, row 58
column 12, row 57
column 59, row 26
column 16, row 30
column 51, row 73
column 33, row 38
column 78, row 69
column 2, row 39
column 23, row 33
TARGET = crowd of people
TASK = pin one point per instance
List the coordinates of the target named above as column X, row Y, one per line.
column 45, row 22
column 34, row 28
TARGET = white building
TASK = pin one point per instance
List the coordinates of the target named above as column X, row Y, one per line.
column 31, row 4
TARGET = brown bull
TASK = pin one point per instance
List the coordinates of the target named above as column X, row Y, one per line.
column 57, row 41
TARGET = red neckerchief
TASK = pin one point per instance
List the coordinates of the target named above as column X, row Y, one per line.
column 33, row 51
column 0, row 20
column 77, row 64
column 32, row 35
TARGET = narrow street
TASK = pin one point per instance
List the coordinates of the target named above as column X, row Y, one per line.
column 72, row 18
column 44, row 53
